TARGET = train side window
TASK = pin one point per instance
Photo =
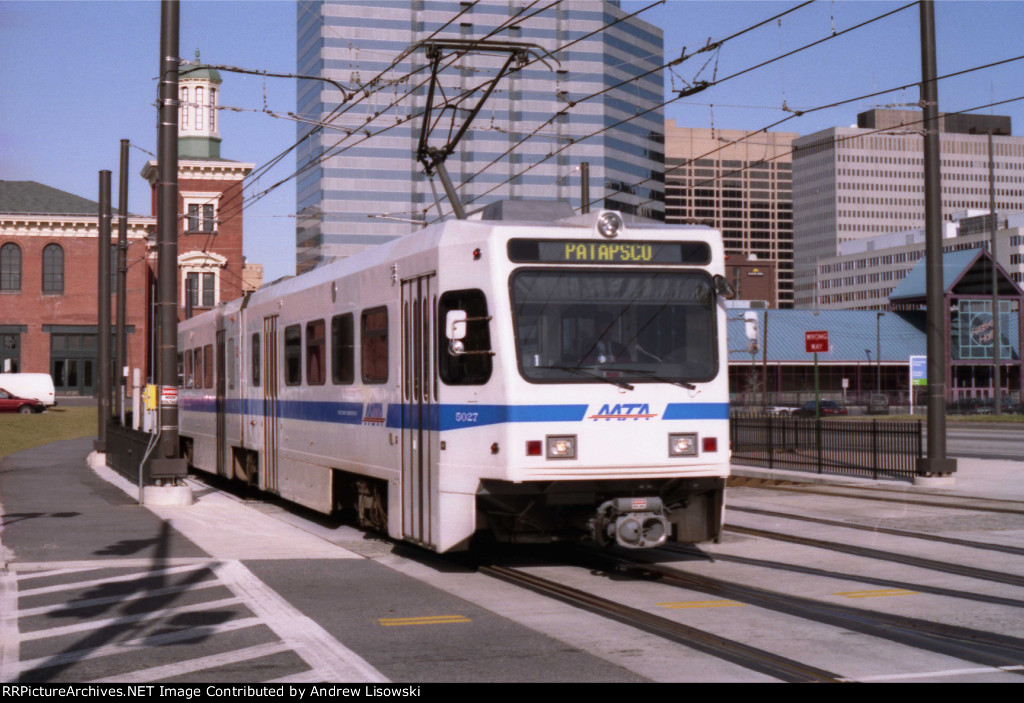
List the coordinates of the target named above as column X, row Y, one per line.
column 197, row 356
column 470, row 369
column 181, row 370
column 316, row 348
column 256, row 359
column 342, row 350
column 208, row 366
column 188, row 369
column 374, row 339
column 293, row 355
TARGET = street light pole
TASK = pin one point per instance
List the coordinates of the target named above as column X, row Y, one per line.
column 878, row 351
column 993, row 223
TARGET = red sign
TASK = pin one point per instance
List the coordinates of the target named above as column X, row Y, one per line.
column 816, row 341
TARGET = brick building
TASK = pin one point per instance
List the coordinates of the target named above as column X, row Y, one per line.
column 49, row 254
column 209, row 198
column 49, row 246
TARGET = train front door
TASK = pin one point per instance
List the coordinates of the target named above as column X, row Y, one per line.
column 419, row 407
column 270, row 409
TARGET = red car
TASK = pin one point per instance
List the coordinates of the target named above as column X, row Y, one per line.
column 10, row 403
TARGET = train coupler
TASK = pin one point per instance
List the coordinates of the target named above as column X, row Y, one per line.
column 635, row 523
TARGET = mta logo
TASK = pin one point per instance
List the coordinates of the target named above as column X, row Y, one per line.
column 374, row 413
column 624, row 411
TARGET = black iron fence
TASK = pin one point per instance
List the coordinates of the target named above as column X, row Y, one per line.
column 868, row 449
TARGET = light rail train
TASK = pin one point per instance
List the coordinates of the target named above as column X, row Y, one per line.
column 527, row 380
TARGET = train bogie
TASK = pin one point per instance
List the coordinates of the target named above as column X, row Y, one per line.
column 536, row 382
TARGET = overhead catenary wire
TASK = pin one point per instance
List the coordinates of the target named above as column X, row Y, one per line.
column 337, row 149
column 334, row 151
column 835, row 140
column 800, row 113
column 520, row 16
column 694, row 89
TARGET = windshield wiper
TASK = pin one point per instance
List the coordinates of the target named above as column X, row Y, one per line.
column 650, row 374
column 590, row 374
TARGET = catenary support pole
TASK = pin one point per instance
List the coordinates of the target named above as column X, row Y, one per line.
column 103, row 316
column 121, row 344
column 935, row 463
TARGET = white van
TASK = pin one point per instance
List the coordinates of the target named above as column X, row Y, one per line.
column 30, row 385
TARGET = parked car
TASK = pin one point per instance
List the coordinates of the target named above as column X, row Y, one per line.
column 878, row 404
column 828, row 407
column 970, row 406
column 10, row 403
column 30, row 385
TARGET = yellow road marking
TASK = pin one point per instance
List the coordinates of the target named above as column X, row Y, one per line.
column 424, row 620
column 700, row 604
column 876, row 594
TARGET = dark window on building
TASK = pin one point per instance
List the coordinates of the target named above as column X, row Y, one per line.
column 342, row 349
column 293, row 355
column 10, row 267
column 53, row 269
column 10, row 354
column 200, row 218
column 374, row 339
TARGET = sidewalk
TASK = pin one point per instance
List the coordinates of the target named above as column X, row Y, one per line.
column 977, row 478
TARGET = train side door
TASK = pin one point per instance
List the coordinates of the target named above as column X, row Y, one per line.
column 419, row 398
column 270, row 407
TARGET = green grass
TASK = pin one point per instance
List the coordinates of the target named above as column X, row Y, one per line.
column 18, row 432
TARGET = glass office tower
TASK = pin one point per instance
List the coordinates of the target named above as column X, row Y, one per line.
column 360, row 183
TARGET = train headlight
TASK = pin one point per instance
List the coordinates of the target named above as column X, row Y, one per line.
column 682, row 444
column 561, row 446
column 609, row 224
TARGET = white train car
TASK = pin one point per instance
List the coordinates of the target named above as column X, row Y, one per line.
column 527, row 380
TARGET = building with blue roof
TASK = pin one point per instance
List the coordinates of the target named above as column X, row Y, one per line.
column 871, row 349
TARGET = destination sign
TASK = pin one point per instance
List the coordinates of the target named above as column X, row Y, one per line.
column 572, row 251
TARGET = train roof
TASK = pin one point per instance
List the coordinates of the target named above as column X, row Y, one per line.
column 475, row 228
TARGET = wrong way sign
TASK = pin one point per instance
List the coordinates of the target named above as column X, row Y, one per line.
column 816, row 342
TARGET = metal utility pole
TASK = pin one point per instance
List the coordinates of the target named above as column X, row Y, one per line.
column 103, row 317
column 997, row 406
column 167, row 241
column 936, row 463
column 121, row 347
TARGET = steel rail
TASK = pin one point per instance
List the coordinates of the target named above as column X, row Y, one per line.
column 881, row 530
column 964, row 502
column 729, row 650
column 921, row 562
column 968, row 644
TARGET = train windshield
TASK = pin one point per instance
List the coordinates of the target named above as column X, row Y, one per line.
column 623, row 327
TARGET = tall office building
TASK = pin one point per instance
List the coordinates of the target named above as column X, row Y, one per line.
column 360, row 183
column 741, row 183
column 857, row 182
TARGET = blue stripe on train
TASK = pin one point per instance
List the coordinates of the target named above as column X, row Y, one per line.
column 438, row 417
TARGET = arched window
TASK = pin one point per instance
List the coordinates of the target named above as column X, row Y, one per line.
column 53, row 269
column 10, row 267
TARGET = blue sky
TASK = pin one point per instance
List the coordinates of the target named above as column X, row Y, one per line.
column 77, row 77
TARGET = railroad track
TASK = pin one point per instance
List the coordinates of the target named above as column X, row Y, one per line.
column 969, row 644
column 750, row 657
column 988, row 505
column 1007, row 549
